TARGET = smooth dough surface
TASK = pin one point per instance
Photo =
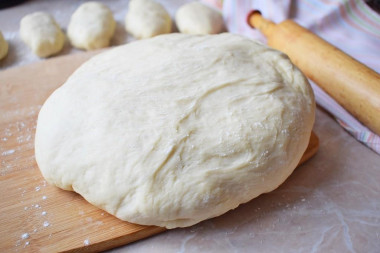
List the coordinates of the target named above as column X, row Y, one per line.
column 146, row 19
column 3, row 46
column 91, row 26
column 207, row 123
column 198, row 18
column 42, row 34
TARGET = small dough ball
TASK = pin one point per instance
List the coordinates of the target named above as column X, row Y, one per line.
column 91, row 26
column 3, row 46
column 146, row 19
column 42, row 34
column 197, row 18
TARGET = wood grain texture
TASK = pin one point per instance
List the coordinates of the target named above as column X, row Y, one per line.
column 51, row 220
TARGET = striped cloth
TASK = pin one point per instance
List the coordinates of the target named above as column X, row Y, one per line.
column 349, row 25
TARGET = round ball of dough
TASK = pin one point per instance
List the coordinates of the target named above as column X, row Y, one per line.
column 42, row 34
column 91, row 26
column 197, row 18
column 3, row 47
column 147, row 18
column 207, row 123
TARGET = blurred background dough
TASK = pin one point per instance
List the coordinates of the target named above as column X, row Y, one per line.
column 147, row 18
column 42, row 34
column 197, row 18
column 91, row 26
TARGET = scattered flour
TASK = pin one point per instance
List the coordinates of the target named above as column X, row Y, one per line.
column 25, row 236
column 43, row 213
column 8, row 152
column 86, row 242
column 46, row 224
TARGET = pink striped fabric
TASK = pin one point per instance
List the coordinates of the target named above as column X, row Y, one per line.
column 348, row 24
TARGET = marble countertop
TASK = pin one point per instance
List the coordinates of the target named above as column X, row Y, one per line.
column 329, row 204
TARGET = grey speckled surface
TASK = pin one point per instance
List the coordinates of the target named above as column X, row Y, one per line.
column 329, row 204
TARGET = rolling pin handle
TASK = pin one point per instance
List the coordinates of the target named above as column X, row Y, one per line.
column 256, row 21
column 352, row 84
column 250, row 15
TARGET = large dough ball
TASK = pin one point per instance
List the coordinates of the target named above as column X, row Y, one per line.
column 197, row 18
column 147, row 18
column 42, row 34
column 176, row 129
column 3, row 46
column 91, row 26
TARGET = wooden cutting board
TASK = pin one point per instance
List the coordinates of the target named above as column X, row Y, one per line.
column 35, row 216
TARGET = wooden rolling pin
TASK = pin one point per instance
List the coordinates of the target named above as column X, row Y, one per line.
column 355, row 86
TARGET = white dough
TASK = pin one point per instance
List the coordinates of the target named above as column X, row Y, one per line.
column 176, row 129
column 146, row 19
column 91, row 26
column 42, row 34
column 197, row 18
column 3, row 46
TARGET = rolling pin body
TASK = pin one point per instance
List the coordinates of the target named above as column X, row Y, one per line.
column 355, row 86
